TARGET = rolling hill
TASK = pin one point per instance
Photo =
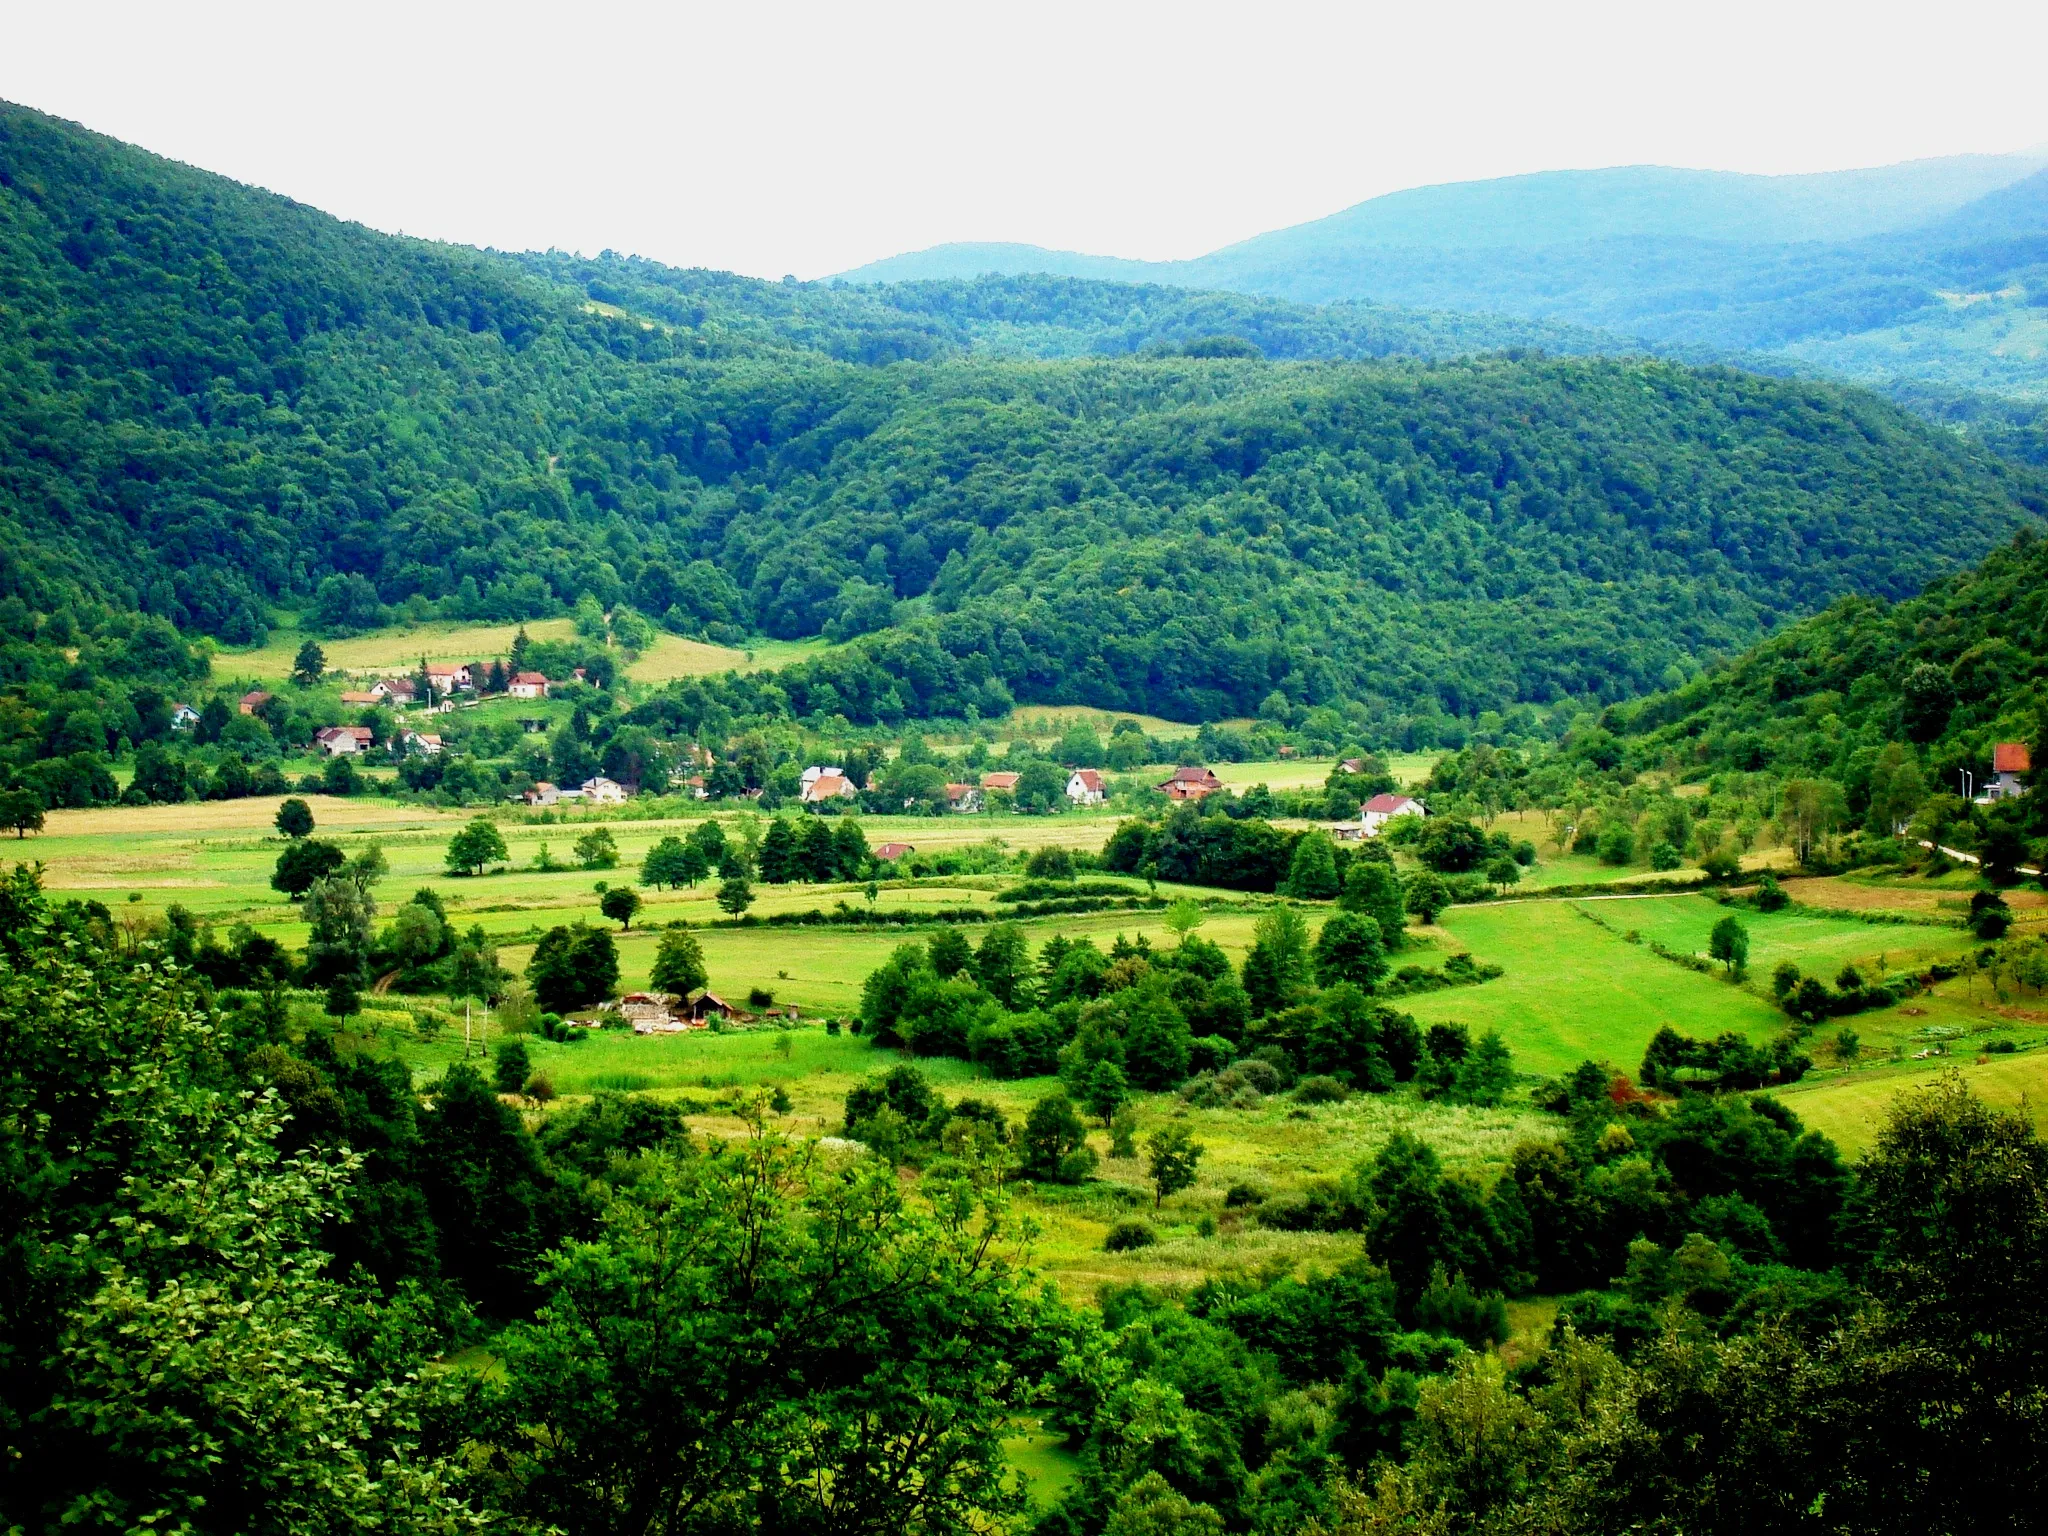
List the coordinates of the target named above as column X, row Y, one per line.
column 217, row 401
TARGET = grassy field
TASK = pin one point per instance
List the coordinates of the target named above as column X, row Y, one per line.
column 1274, row 1147
column 402, row 646
column 1850, row 1107
column 1573, row 988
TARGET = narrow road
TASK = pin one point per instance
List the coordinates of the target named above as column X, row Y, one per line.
column 1970, row 858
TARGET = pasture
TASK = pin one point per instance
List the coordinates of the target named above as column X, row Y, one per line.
column 401, row 647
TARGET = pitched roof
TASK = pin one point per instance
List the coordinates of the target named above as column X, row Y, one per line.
column 2011, row 757
column 531, row 677
column 999, row 780
column 895, row 850
column 1386, row 805
column 1192, row 775
column 1090, row 779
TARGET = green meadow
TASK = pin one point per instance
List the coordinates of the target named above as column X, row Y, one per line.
column 1580, row 981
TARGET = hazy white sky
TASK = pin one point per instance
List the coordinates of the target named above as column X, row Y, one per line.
column 808, row 138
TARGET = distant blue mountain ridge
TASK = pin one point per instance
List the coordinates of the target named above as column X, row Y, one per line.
column 1932, row 270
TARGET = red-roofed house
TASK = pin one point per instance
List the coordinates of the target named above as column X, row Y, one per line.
column 1003, row 781
column 445, row 678
column 829, row 785
column 1085, row 787
column 365, row 699
column 964, row 798
column 2009, row 760
column 251, row 702
column 888, row 853
column 1381, row 809
column 528, row 685
column 1191, row 784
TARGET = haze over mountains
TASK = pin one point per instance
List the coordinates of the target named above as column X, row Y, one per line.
column 1933, row 270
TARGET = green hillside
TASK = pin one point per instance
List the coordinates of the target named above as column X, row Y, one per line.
column 1944, row 674
column 218, row 401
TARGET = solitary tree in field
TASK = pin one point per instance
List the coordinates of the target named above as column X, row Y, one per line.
column 308, row 665
column 295, row 818
column 619, row 904
column 679, row 964
column 596, row 849
column 1171, row 1155
column 22, row 810
column 476, row 845
column 1184, row 917
column 1729, row 944
column 735, row 896
column 1105, row 1091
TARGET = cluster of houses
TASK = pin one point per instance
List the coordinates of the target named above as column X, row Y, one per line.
column 595, row 791
column 665, row 1013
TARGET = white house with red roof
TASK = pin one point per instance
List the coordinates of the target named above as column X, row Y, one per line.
column 1381, row 809
column 528, row 685
column 829, row 784
column 1085, row 787
column 2010, row 760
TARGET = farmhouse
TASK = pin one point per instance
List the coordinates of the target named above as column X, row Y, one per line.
column 444, row 679
column 2009, row 760
column 343, row 740
column 1085, row 787
column 602, row 791
column 1381, row 809
column 695, row 787
column 1005, row 782
column 656, row 1013
column 396, row 690
column 1191, row 784
column 828, row 786
column 423, row 742
column 528, row 685
column 251, row 702
column 889, row 853
column 183, row 717
column 706, row 1006
column 543, row 793
column 963, row 798
column 363, row 699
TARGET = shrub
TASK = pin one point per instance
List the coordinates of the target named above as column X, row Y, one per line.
column 1128, row 1234
column 1240, row 1195
column 1770, row 896
column 1321, row 1090
column 538, row 1088
column 760, row 997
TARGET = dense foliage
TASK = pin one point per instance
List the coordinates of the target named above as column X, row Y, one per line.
column 218, row 400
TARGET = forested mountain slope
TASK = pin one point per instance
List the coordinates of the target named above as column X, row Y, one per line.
column 1946, row 673
column 1936, row 271
column 217, row 400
